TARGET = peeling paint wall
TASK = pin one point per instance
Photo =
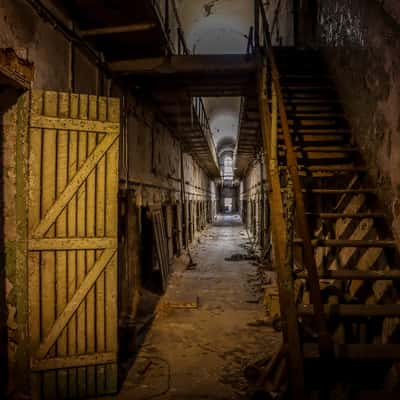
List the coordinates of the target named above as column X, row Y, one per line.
column 254, row 203
column 361, row 42
column 151, row 157
column 281, row 21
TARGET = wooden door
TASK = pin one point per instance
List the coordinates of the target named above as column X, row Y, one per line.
column 70, row 154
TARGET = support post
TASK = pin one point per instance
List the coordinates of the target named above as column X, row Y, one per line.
column 286, row 292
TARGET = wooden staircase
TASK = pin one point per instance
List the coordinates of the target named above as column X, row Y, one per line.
column 338, row 263
column 355, row 252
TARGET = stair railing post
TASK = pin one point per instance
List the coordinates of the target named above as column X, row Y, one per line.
column 290, row 328
column 257, row 24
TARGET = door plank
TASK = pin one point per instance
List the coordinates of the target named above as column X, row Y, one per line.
column 73, row 361
column 80, row 125
column 75, row 302
column 72, row 244
column 74, row 185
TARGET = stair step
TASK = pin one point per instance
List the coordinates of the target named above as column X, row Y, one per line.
column 354, row 310
column 308, row 89
column 318, row 157
column 291, row 96
column 306, row 85
column 318, row 140
column 346, row 215
column 329, row 168
column 337, row 191
column 313, row 101
column 294, row 75
column 327, row 149
column 349, row 243
column 341, row 191
column 377, row 395
column 323, row 149
column 315, row 115
column 318, row 130
column 312, row 108
column 390, row 275
column 335, row 168
column 357, row 351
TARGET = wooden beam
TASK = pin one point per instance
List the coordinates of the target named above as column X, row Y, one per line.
column 73, row 361
column 354, row 310
column 73, row 124
column 118, row 29
column 71, row 244
column 195, row 64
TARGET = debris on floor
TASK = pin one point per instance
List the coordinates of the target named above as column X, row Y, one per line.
column 183, row 306
column 208, row 346
column 240, row 257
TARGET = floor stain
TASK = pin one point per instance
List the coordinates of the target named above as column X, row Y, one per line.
column 201, row 353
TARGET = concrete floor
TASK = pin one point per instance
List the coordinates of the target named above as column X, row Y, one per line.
column 200, row 353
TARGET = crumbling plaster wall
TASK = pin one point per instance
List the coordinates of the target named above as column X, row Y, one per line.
column 253, row 198
column 153, row 156
column 280, row 18
column 361, row 42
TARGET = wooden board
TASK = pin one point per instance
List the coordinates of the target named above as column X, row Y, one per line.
column 161, row 245
column 70, row 247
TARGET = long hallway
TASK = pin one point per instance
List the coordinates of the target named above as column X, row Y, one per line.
column 200, row 352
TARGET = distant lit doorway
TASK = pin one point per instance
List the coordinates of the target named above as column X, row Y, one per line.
column 228, row 203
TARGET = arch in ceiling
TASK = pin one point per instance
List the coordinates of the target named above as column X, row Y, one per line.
column 218, row 27
column 225, row 144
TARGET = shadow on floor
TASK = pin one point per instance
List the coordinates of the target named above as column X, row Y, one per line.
column 228, row 220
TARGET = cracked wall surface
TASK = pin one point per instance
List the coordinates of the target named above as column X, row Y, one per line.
column 361, row 43
column 152, row 164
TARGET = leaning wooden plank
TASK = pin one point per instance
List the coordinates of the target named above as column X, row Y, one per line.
column 72, row 306
column 73, row 361
column 73, row 124
column 74, row 185
column 72, row 244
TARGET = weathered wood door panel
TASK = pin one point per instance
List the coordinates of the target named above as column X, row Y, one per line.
column 71, row 186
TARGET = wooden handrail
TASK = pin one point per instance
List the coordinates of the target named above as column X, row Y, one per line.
column 288, row 307
column 302, row 227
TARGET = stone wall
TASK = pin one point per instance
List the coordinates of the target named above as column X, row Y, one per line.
column 150, row 157
column 280, row 18
column 254, row 202
column 361, row 43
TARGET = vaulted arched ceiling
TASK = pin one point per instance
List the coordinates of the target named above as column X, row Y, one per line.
column 218, row 27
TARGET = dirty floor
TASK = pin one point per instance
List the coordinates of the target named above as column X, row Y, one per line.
column 199, row 352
